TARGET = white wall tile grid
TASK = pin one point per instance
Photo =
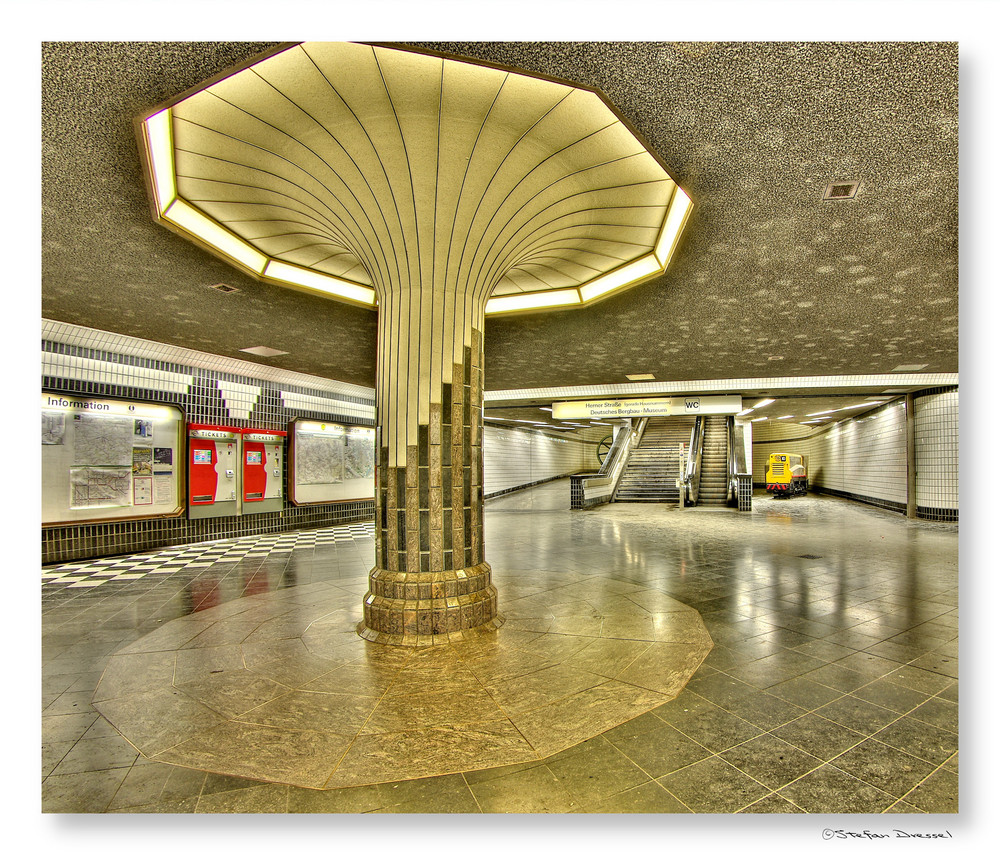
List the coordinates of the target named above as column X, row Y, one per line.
column 864, row 458
column 516, row 457
column 936, row 436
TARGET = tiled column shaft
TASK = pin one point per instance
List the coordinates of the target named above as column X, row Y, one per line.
column 430, row 581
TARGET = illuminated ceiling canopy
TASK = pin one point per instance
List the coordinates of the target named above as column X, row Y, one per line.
column 340, row 168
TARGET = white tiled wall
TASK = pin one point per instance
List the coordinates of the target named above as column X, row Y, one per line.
column 513, row 457
column 865, row 456
column 936, row 436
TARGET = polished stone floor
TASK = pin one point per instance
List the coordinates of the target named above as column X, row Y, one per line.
column 831, row 686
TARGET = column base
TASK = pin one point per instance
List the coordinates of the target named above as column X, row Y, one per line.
column 416, row 609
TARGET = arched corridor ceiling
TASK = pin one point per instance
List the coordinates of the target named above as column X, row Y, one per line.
column 769, row 280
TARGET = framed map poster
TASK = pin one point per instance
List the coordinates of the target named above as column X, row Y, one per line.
column 330, row 462
column 100, row 457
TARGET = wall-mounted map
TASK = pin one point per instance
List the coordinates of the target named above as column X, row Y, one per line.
column 98, row 487
column 332, row 463
column 102, row 440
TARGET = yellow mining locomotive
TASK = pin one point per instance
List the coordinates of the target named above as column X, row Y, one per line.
column 786, row 474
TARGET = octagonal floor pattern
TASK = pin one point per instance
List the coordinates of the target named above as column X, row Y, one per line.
column 279, row 687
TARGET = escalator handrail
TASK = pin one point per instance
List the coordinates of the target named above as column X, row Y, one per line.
column 692, row 474
column 737, row 456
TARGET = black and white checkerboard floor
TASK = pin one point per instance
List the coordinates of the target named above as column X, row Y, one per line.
column 91, row 574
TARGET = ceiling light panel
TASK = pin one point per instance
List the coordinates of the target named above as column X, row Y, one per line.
column 261, row 350
column 597, row 214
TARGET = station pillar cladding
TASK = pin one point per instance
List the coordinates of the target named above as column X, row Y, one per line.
column 430, row 577
column 435, row 189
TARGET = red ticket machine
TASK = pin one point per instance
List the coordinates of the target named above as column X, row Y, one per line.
column 263, row 453
column 213, row 464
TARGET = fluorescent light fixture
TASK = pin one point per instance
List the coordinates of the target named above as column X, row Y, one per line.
column 159, row 145
column 639, row 377
column 294, row 275
column 190, row 219
column 534, row 300
column 855, row 406
column 745, row 412
column 261, row 350
column 821, row 413
column 761, row 419
column 680, row 207
column 785, row 417
column 763, row 403
column 909, row 367
column 632, row 272
column 547, row 409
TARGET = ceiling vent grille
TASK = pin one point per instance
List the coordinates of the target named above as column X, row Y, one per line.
column 225, row 289
column 840, row 191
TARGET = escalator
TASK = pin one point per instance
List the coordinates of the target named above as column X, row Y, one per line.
column 655, row 464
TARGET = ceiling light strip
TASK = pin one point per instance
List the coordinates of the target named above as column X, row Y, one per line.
column 292, row 274
column 734, row 385
column 534, row 300
column 180, row 213
column 677, row 216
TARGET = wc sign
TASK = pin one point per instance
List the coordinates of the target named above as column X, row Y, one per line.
column 639, row 408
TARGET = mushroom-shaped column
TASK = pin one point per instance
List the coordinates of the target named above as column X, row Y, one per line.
column 441, row 190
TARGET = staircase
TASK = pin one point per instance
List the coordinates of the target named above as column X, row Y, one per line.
column 714, row 470
column 653, row 466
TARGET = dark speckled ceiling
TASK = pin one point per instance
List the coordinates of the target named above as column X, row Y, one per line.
column 770, row 280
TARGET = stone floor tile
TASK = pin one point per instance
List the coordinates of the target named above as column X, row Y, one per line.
column 81, row 792
column 650, row 797
column 859, row 715
column 263, row 798
column 890, row 695
column 713, row 786
column 937, row 794
column 595, row 771
column 818, row 736
column 94, row 755
column 831, row 790
column 883, row 766
column 771, row 761
column 532, row 790
column 920, row 739
column 772, row 804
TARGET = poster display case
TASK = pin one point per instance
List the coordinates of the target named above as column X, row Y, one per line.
column 330, row 462
column 106, row 459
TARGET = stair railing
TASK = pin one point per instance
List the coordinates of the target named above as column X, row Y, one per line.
column 587, row 491
column 631, row 437
column 740, row 489
column 692, row 474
